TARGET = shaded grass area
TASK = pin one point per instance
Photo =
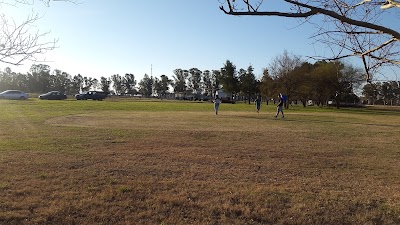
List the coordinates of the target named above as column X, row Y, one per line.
column 177, row 163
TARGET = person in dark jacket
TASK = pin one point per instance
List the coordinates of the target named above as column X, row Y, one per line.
column 279, row 108
column 258, row 103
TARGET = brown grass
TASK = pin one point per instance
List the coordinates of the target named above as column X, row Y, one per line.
column 198, row 168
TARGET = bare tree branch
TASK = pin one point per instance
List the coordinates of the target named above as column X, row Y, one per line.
column 348, row 27
column 19, row 43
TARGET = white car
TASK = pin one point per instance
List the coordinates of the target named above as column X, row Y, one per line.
column 13, row 94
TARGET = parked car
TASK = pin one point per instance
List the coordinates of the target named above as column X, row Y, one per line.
column 94, row 95
column 13, row 94
column 53, row 95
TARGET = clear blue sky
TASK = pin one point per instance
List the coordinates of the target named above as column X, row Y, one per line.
column 102, row 37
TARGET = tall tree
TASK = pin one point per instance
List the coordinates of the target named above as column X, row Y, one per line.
column 76, row 84
column 348, row 28
column 281, row 69
column 335, row 80
column 389, row 91
column 118, row 84
column 39, row 80
column 347, row 78
column 105, row 84
column 6, row 79
column 129, row 83
column 396, row 90
column 322, row 77
column 88, row 83
column 248, row 82
column 180, row 81
column 216, row 80
column 303, row 88
column 195, row 81
column 161, row 86
column 60, row 81
column 371, row 92
column 268, row 85
column 207, row 83
column 229, row 78
column 146, row 86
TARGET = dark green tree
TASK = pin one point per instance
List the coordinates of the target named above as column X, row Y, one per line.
column 146, row 86
column 347, row 79
column 76, row 84
column 180, row 77
column 195, row 76
column 207, row 83
column 268, row 85
column 60, row 81
column 118, row 83
column 7, row 79
column 129, row 83
column 229, row 78
column 371, row 92
column 322, row 78
column 88, row 83
column 248, row 82
column 216, row 80
column 388, row 91
column 161, row 86
column 303, row 88
column 39, row 79
column 105, row 84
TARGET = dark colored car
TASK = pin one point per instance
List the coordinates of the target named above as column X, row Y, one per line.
column 94, row 95
column 53, row 95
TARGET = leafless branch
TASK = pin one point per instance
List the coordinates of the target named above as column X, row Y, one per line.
column 348, row 27
column 20, row 42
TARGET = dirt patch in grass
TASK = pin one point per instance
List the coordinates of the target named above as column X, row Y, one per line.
column 198, row 168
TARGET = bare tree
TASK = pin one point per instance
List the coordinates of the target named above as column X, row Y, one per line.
column 18, row 41
column 361, row 28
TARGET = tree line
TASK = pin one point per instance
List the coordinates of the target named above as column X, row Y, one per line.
column 288, row 74
column 386, row 93
column 192, row 83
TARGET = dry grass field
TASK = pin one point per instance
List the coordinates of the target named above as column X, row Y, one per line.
column 137, row 162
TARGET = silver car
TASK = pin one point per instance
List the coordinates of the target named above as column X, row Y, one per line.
column 13, row 94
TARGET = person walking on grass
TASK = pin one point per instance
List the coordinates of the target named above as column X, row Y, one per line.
column 257, row 102
column 217, row 102
column 279, row 108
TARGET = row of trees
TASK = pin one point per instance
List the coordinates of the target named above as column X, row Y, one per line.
column 288, row 74
column 320, row 82
column 192, row 83
column 387, row 92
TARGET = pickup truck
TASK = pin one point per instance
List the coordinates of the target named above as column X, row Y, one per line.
column 94, row 95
